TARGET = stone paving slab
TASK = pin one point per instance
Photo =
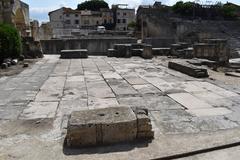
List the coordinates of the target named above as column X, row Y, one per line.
column 121, row 87
column 99, row 89
column 51, row 89
column 97, row 103
column 189, row 102
column 40, row 110
column 210, row 112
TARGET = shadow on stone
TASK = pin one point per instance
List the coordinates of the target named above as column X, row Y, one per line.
column 102, row 149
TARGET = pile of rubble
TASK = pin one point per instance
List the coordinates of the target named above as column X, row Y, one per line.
column 8, row 62
column 108, row 126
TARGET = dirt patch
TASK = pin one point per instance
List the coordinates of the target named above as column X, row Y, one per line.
column 13, row 70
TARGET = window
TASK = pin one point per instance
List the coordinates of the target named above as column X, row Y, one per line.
column 118, row 13
column 60, row 17
column 118, row 21
column 68, row 22
column 124, row 14
column 76, row 15
column 124, row 20
column 105, row 21
column 86, row 22
column 76, row 21
column 67, row 15
column 97, row 22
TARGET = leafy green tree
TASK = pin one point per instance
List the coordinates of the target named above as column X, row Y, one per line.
column 93, row 5
column 229, row 10
column 132, row 25
column 182, row 8
column 10, row 42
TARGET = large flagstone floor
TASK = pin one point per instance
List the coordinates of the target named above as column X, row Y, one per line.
column 35, row 106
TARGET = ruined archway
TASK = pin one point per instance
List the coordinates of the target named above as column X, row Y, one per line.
column 20, row 21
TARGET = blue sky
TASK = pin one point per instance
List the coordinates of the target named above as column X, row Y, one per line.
column 39, row 8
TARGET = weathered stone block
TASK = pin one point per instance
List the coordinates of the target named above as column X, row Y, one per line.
column 145, row 127
column 137, row 52
column 161, row 51
column 111, row 53
column 25, row 65
column 145, row 135
column 188, row 69
column 123, row 50
column 101, row 126
column 68, row 54
column 121, row 132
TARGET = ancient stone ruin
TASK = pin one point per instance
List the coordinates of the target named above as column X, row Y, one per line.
column 108, row 126
column 69, row 54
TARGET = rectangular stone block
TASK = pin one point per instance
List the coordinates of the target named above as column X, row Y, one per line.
column 161, row 51
column 123, row 50
column 188, row 69
column 111, row 53
column 145, row 135
column 69, row 54
column 121, row 132
column 101, row 126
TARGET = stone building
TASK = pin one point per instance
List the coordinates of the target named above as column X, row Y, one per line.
column 16, row 12
column 45, row 31
column 34, row 25
column 123, row 16
column 66, row 22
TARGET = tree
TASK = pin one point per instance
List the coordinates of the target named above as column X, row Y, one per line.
column 229, row 10
column 10, row 42
column 93, row 5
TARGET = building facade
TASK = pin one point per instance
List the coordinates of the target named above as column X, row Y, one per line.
column 66, row 22
column 124, row 17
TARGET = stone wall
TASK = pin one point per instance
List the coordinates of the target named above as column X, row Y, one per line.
column 95, row 46
column 158, row 42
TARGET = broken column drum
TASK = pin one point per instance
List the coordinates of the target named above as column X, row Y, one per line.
column 147, row 52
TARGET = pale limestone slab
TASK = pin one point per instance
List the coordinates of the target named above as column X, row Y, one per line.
column 189, row 101
column 203, row 112
column 75, row 79
column 121, row 87
column 214, row 99
column 67, row 107
column 146, row 89
column 97, row 103
column 135, row 80
column 99, row 89
column 40, row 110
column 53, row 83
column 93, row 77
column 218, row 90
column 52, row 89
column 111, row 75
column 191, row 87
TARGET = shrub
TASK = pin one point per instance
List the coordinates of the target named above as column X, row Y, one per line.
column 10, row 42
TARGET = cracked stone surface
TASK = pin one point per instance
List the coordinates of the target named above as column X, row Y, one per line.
column 35, row 106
